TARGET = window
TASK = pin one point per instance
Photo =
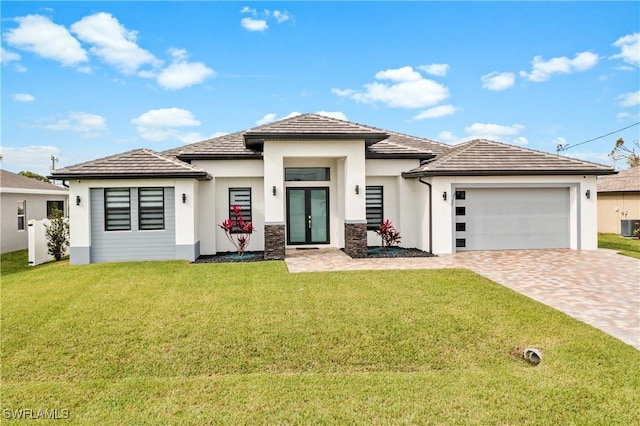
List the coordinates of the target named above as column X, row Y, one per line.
column 151, row 208
column 461, row 242
column 22, row 214
column 240, row 197
column 57, row 205
column 461, row 211
column 294, row 174
column 117, row 209
column 461, row 195
column 461, row 226
column 374, row 207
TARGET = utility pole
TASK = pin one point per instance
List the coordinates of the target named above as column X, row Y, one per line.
column 54, row 160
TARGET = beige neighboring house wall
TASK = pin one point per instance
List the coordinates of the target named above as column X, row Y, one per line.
column 618, row 199
column 15, row 189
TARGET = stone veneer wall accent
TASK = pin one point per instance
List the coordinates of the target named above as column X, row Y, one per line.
column 355, row 239
column 274, row 242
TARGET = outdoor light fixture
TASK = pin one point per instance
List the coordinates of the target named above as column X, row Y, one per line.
column 444, row 195
column 184, row 198
column 588, row 194
column 274, row 190
column 357, row 189
column 77, row 200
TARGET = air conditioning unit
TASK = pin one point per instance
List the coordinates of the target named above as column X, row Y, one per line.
column 627, row 226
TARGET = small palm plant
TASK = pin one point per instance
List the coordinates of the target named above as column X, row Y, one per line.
column 237, row 230
column 390, row 235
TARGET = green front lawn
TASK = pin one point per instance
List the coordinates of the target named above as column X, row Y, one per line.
column 175, row 343
column 626, row 246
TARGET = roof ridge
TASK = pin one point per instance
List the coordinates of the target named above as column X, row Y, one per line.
column 173, row 160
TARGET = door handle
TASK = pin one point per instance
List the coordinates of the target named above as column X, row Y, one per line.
column 309, row 221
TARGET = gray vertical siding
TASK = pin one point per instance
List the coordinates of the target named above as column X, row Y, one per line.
column 118, row 246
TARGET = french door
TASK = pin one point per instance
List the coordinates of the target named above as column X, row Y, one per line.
column 308, row 215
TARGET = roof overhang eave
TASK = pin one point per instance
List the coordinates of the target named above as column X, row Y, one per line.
column 189, row 157
column 255, row 140
column 563, row 172
column 78, row 176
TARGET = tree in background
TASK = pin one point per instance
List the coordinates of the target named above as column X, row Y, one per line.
column 33, row 175
column 57, row 233
column 626, row 153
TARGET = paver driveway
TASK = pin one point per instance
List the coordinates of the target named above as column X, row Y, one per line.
column 600, row 288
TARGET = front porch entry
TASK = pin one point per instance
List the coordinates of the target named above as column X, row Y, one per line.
column 307, row 215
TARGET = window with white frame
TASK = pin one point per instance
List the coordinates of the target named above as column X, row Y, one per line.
column 374, row 207
column 240, row 197
column 22, row 214
column 150, row 208
column 117, row 209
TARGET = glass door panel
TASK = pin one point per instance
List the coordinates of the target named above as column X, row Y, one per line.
column 297, row 216
column 319, row 215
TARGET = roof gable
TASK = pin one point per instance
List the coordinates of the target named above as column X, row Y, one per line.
column 139, row 163
column 312, row 126
column 484, row 157
column 13, row 180
column 624, row 181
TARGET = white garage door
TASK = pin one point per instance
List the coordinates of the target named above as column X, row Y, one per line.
column 511, row 218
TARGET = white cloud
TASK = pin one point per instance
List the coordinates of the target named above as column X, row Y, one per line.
column 281, row 16
column 181, row 74
column 34, row 158
column 268, row 118
column 251, row 24
column 542, row 70
column 439, row 70
column 496, row 132
column 399, row 74
column 23, row 97
column 161, row 124
column 407, row 90
column 333, row 114
column 498, row 81
column 629, row 48
column 596, row 157
column 85, row 123
column 435, row 112
column 292, row 114
column 629, row 99
column 6, row 56
column 247, row 9
column 341, row 92
column 113, row 43
column 39, row 35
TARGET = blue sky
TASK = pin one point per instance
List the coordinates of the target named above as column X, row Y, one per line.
column 83, row 80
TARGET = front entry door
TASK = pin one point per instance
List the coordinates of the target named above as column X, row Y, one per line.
column 307, row 215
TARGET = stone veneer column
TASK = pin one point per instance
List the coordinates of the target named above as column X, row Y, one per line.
column 355, row 239
column 274, row 242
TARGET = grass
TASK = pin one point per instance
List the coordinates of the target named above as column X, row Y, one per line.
column 625, row 246
column 176, row 343
column 16, row 261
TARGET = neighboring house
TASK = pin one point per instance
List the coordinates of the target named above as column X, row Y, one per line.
column 24, row 199
column 310, row 181
column 618, row 200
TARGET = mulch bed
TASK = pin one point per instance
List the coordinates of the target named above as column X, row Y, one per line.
column 258, row 256
column 391, row 252
column 229, row 257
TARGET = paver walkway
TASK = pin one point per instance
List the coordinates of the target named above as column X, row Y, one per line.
column 600, row 288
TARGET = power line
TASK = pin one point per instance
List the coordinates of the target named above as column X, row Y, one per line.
column 561, row 147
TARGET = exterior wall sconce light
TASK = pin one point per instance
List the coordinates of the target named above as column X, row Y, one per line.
column 444, row 195
column 357, row 189
column 274, row 191
column 184, row 198
column 77, row 200
column 588, row 194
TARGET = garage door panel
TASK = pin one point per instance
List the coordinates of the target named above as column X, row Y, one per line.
column 514, row 218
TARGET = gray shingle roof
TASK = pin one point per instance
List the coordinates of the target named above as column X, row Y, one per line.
column 132, row 164
column 382, row 143
column 625, row 181
column 13, row 180
column 484, row 157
